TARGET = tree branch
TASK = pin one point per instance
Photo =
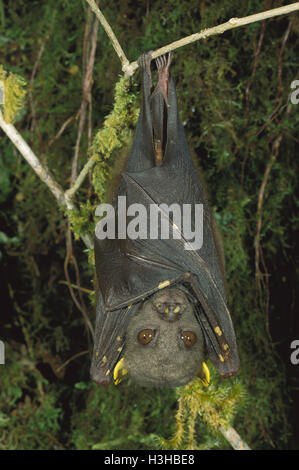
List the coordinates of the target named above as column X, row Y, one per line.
column 117, row 47
column 130, row 68
column 86, row 96
column 41, row 170
column 234, row 438
column 84, row 172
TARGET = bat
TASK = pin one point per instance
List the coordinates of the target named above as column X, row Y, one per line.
column 161, row 306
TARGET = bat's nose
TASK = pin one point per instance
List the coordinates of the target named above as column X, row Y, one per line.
column 170, row 311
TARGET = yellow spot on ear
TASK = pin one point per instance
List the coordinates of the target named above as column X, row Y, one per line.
column 206, row 380
column 221, row 358
column 163, row 284
column 218, row 331
column 176, row 310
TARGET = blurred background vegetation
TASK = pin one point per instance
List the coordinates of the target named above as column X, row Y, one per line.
column 233, row 93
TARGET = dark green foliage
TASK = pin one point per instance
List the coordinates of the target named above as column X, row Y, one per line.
column 234, row 104
column 123, row 418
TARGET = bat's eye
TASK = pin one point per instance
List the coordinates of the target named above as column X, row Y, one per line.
column 188, row 338
column 146, row 336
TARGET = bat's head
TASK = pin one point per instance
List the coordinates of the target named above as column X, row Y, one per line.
column 165, row 344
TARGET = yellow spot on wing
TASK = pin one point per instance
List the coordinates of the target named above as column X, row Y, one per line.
column 218, row 331
column 163, row 284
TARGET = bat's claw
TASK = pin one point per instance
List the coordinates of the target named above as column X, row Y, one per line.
column 144, row 61
column 164, row 61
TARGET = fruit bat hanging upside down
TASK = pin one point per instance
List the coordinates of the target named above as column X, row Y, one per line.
column 161, row 307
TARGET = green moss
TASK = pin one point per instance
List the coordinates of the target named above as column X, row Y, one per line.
column 14, row 92
column 115, row 134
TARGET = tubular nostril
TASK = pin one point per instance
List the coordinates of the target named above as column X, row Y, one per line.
column 176, row 308
column 165, row 307
column 170, row 311
column 160, row 307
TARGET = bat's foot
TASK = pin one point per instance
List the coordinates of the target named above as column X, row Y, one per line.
column 163, row 64
column 144, row 62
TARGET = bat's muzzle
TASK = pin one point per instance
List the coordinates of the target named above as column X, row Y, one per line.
column 170, row 304
column 170, row 311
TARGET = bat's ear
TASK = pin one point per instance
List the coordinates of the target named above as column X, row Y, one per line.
column 142, row 155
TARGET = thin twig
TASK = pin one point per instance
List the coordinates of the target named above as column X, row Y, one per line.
column 269, row 166
column 117, row 47
column 74, row 286
column 84, row 172
column 80, row 305
column 86, row 98
column 82, row 353
column 256, row 58
column 285, row 38
column 61, row 130
column 34, row 120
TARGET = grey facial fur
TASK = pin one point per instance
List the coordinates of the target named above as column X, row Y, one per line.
column 166, row 360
